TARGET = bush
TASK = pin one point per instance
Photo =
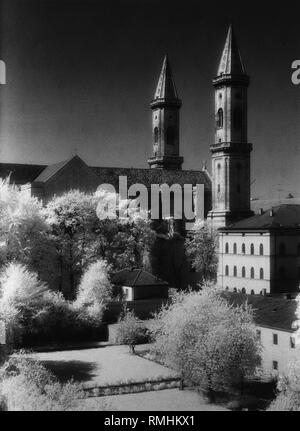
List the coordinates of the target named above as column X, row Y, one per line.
column 95, row 289
column 37, row 316
column 26, row 385
column 131, row 332
column 211, row 343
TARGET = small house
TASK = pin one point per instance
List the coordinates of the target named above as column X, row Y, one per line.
column 138, row 284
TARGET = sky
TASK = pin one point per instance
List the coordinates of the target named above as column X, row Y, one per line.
column 81, row 75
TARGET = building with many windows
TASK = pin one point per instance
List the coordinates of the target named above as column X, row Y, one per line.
column 275, row 322
column 261, row 254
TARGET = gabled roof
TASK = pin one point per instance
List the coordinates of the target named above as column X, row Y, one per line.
column 166, row 88
column 279, row 217
column 20, row 173
column 231, row 61
column 135, row 277
column 52, row 170
column 274, row 312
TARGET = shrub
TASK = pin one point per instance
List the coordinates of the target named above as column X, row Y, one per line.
column 95, row 289
column 35, row 315
column 26, row 385
column 211, row 343
column 130, row 331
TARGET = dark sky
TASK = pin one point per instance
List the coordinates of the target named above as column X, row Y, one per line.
column 81, row 74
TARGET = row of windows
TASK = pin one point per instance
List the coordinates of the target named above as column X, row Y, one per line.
column 275, row 339
column 243, row 249
column 243, row 291
column 282, row 249
column 243, row 273
column 281, row 272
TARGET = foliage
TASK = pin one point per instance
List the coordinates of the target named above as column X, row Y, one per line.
column 211, row 343
column 24, row 233
column 201, row 248
column 95, row 288
column 130, row 331
column 34, row 315
column 26, row 385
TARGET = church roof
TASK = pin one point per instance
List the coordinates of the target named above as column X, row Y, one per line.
column 274, row 312
column 135, row 277
column 166, row 88
column 279, row 217
column 231, row 61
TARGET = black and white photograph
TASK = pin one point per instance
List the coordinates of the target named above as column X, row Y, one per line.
column 149, row 209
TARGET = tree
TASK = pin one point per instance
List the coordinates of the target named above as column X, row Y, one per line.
column 95, row 288
column 24, row 233
column 130, row 331
column 211, row 343
column 201, row 249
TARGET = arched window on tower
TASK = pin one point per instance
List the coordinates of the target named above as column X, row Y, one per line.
column 156, row 135
column 219, row 118
column 252, row 273
column 170, row 135
column 226, row 270
column 226, row 248
column 261, row 273
column 235, row 271
column 252, row 249
column 234, row 248
column 243, row 272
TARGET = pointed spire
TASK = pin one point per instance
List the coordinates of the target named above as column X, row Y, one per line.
column 231, row 62
column 166, row 88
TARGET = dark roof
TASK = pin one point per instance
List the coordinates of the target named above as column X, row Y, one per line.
column 278, row 217
column 136, row 277
column 51, row 170
column 20, row 173
column 23, row 174
column 274, row 312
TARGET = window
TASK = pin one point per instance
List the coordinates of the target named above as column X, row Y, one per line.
column 226, row 270
column 243, row 272
column 156, row 135
column 243, row 248
column 243, row 291
column 292, row 342
column 282, row 249
column 226, row 248
column 261, row 273
column 275, row 365
column 219, row 119
column 261, row 249
column 258, row 334
column 170, row 135
column 275, row 339
column 252, row 292
column 234, row 248
column 234, row 271
column 252, row 249
column 252, row 272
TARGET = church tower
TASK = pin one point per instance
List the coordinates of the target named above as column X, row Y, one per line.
column 230, row 150
column 165, row 122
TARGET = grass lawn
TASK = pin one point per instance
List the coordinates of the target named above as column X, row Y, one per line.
column 103, row 365
column 165, row 400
